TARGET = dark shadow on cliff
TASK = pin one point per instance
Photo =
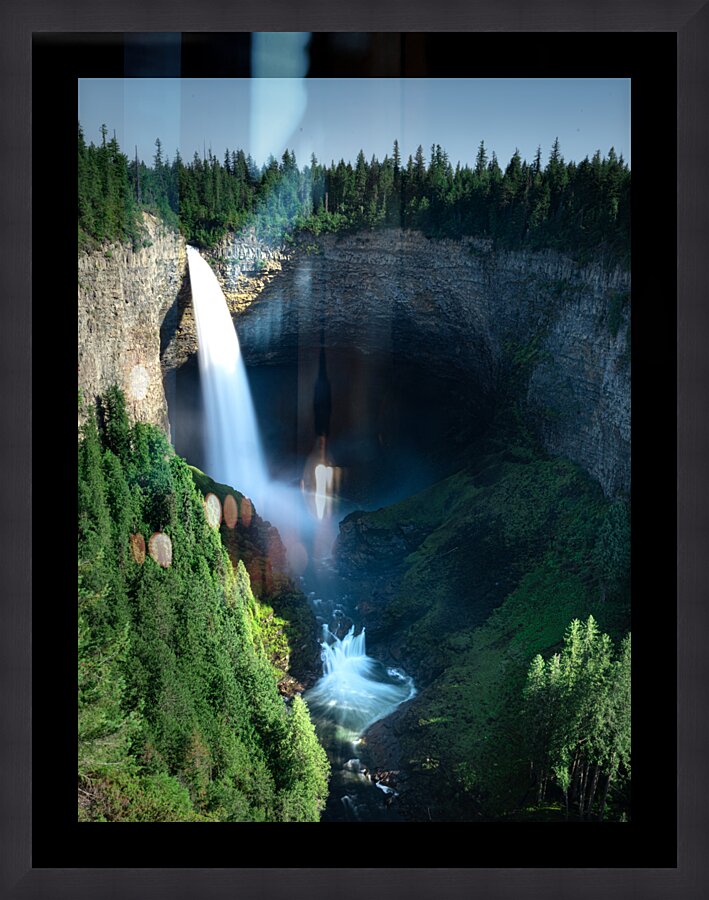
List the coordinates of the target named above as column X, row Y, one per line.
column 173, row 317
column 180, row 370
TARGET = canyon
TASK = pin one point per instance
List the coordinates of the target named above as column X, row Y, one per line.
column 461, row 313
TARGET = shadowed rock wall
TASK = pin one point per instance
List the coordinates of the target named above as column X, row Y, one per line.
column 466, row 312
column 459, row 309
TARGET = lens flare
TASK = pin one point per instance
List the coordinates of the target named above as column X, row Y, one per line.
column 323, row 488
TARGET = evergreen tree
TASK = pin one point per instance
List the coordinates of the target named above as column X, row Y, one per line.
column 396, row 157
column 481, row 162
column 179, row 713
column 582, row 209
column 577, row 718
column 306, row 793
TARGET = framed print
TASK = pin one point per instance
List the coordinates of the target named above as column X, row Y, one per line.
column 358, row 376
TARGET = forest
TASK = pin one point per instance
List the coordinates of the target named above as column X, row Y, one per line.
column 180, row 717
column 580, row 208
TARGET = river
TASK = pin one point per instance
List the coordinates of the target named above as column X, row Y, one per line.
column 354, row 691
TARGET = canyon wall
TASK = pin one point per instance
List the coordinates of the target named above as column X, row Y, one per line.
column 124, row 297
column 460, row 309
column 468, row 313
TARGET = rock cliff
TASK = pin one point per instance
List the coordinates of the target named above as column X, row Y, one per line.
column 245, row 265
column 468, row 313
column 124, row 296
column 459, row 309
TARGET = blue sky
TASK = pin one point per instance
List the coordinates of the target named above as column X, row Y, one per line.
column 334, row 118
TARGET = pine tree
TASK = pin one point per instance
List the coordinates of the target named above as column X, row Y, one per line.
column 396, row 157
column 360, row 182
column 577, row 717
column 584, row 209
column 308, row 767
column 419, row 168
column 481, row 161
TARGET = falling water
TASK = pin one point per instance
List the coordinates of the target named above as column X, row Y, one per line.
column 233, row 446
column 355, row 690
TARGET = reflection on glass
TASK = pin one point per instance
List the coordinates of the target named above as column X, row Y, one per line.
column 323, row 488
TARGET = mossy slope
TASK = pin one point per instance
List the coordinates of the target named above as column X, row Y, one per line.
column 287, row 624
column 504, row 555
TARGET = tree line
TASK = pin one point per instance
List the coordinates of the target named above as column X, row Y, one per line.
column 180, row 717
column 580, row 208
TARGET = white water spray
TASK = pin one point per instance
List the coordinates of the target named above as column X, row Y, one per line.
column 233, row 446
column 355, row 690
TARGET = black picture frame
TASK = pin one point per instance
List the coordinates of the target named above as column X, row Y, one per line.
column 690, row 22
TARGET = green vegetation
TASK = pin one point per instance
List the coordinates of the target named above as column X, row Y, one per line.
column 520, row 714
column 577, row 715
column 581, row 208
column 109, row 209
column 286, row 620
column 507, row 553
column 180, row 718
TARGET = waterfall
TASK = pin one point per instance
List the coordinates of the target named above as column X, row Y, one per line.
column 233, row 446
column 355, row 690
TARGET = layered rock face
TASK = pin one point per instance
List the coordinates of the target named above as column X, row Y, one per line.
column 459, row 310
column 136, row 325
column 465, row 312
column 245, row 265
column 124, row 297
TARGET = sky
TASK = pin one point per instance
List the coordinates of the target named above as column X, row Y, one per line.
column 336, row 117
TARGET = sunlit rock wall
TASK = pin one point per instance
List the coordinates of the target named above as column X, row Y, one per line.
column 124, row 296
column 245, row 265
